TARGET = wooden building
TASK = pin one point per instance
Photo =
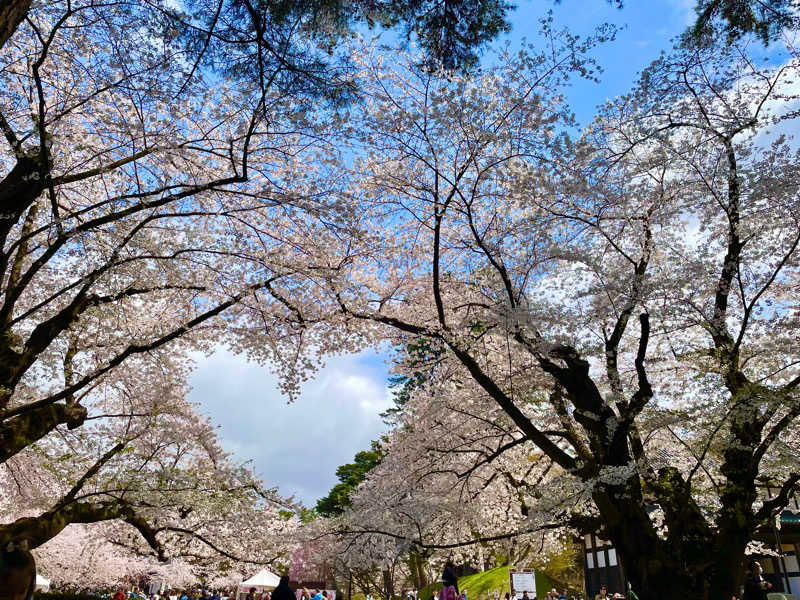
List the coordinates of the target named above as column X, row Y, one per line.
column 783, row 571
column 601, row 565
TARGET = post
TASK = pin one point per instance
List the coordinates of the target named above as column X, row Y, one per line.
column 781, row 562
column 350, row 584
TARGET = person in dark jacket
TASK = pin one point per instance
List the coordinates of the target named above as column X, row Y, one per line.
column 283, row 591
column 755, row 587
column 449, row 576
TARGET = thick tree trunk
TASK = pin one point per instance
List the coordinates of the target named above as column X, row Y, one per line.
column 653, row 570
column 388, row 584
column 736, row 521
column 20, row 186
column 12, row 12
column 657, row 577
column 413, row 570
column 693, row 562
column 728, row 571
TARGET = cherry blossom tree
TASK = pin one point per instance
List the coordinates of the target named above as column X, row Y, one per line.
column 80, row 556
column 526, row 257
column 143, row 204
column 167, row 477
column 90, row 557
column 155, row 202
column 443, row 490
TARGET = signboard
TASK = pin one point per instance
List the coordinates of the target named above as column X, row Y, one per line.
column 522, row 580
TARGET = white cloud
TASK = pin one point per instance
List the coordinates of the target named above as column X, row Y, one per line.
column 296, row 447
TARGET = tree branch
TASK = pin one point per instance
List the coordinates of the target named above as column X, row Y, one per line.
column 133, row 349
column 780, row 501
column 21, row 431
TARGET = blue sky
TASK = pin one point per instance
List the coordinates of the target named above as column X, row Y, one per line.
column 298, row 446
column 646, row 27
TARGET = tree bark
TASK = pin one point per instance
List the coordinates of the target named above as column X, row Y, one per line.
column 32, row 532
column 12, row 13
column 21, row 185
column 388, row 584
column 21, row 431
column 693, row 561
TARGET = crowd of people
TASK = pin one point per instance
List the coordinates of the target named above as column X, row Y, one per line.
column 314, row 595
column 755, row 588
column 553, row 594
column 281, row 592
column 138, row 594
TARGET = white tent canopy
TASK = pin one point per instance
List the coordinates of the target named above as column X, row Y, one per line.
column 42, row 584
column 262, row 581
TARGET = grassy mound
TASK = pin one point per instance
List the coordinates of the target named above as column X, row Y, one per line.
column 481, row 586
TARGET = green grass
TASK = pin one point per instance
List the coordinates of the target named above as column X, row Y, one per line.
column 481, row 586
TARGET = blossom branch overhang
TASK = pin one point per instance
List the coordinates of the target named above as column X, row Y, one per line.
column 137, row 349
column 584, row 524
